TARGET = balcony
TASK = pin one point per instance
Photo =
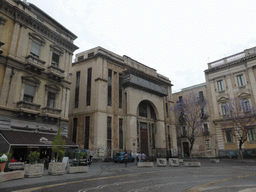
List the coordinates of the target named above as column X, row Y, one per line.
column 51, row 112
column 34, row 64
column 55, row 73
column 206, row 133
column 29, row 108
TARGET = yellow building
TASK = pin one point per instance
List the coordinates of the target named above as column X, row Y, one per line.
column 35, row 69
column 228, row 78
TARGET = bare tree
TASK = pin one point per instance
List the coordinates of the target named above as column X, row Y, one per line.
column 240, row 116
column 189, row 114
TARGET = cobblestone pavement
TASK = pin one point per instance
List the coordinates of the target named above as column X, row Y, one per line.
column 208, row 177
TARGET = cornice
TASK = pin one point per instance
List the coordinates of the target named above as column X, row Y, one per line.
column 224, row 66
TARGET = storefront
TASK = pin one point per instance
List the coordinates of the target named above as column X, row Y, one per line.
column 20, row 143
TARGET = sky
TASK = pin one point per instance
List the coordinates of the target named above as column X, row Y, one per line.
column 177, row 38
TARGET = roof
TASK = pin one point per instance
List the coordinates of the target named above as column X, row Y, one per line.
column 22, row 138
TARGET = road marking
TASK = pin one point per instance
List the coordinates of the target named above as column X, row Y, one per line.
column 204, row 186
column 231, row 186
column 73, row 182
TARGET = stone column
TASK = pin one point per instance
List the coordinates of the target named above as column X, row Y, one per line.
column 15, row 37
column 252, row 84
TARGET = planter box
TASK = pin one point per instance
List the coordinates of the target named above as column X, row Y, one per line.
column 214, row 160
column 2, row 166
column 161, row 162
column 56, row 168
column 145, row 164
column 174, row 162
column 192, row 164
column 78, row 169
column 34, row 170
column 6, row 176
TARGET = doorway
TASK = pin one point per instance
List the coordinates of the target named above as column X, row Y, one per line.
column 144, row 138
column 185, row 149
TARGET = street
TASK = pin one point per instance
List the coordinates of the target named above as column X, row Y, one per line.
column 228, row 175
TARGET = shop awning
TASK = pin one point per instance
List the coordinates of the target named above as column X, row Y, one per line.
column 32, row 139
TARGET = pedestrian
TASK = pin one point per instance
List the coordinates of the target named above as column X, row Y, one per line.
column 53, row 160
column 143, row 157
column 126, row 158
column 138, row 156
column 47, row 160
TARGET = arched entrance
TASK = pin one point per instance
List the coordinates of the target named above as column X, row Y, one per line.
column 146, row 128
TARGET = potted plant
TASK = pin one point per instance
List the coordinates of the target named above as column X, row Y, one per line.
column 34, row 169
column 82, row 166
column 58, row 167
column 3, row 159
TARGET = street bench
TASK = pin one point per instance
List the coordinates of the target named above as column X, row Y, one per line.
column 16, row 166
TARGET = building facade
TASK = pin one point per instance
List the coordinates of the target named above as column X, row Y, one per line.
column 204, row 145
column 118, row 104
column 228, row 78
column 35, row 67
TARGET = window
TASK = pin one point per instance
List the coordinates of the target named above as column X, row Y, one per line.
column 201, row 95
column 55, row 59
column 207, row 143
column 35, row 49
column 169, row 137
column 143, row 109
column 90, row 54
column 89, row 87
column 229, row 136
column 203, row 111
column 153, row 135
column 80, row 58
column 180, row 99
column 167, row 109
column 29, row 93
column 205, row 127
column 240, row 80
column 51, row 99
column 246, row 105
column 86, row 132
column 77, row 88
column 109, row 87
column 120, row 91
column 120, row 133
column 251, row 134
column 74, row 130
column 224, row 109
column 109, row 130
column 220, row 85
column 183, row 131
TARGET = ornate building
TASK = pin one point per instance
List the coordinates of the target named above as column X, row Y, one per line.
column 119, row 104
column 35, row 67
column 226, row 79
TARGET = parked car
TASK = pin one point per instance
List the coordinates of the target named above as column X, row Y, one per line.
column 120, row 157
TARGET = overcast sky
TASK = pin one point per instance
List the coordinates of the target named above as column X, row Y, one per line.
column 177, row 38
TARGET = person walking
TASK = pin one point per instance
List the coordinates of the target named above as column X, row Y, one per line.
column 126, row 158
column 143, row 157
column 138, row 156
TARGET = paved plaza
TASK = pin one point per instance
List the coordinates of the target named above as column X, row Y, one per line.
column 228, row 175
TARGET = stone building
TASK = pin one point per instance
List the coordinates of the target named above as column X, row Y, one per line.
column 228, row 78
column 119, row 104
column 204, row 145
column 35, row 67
